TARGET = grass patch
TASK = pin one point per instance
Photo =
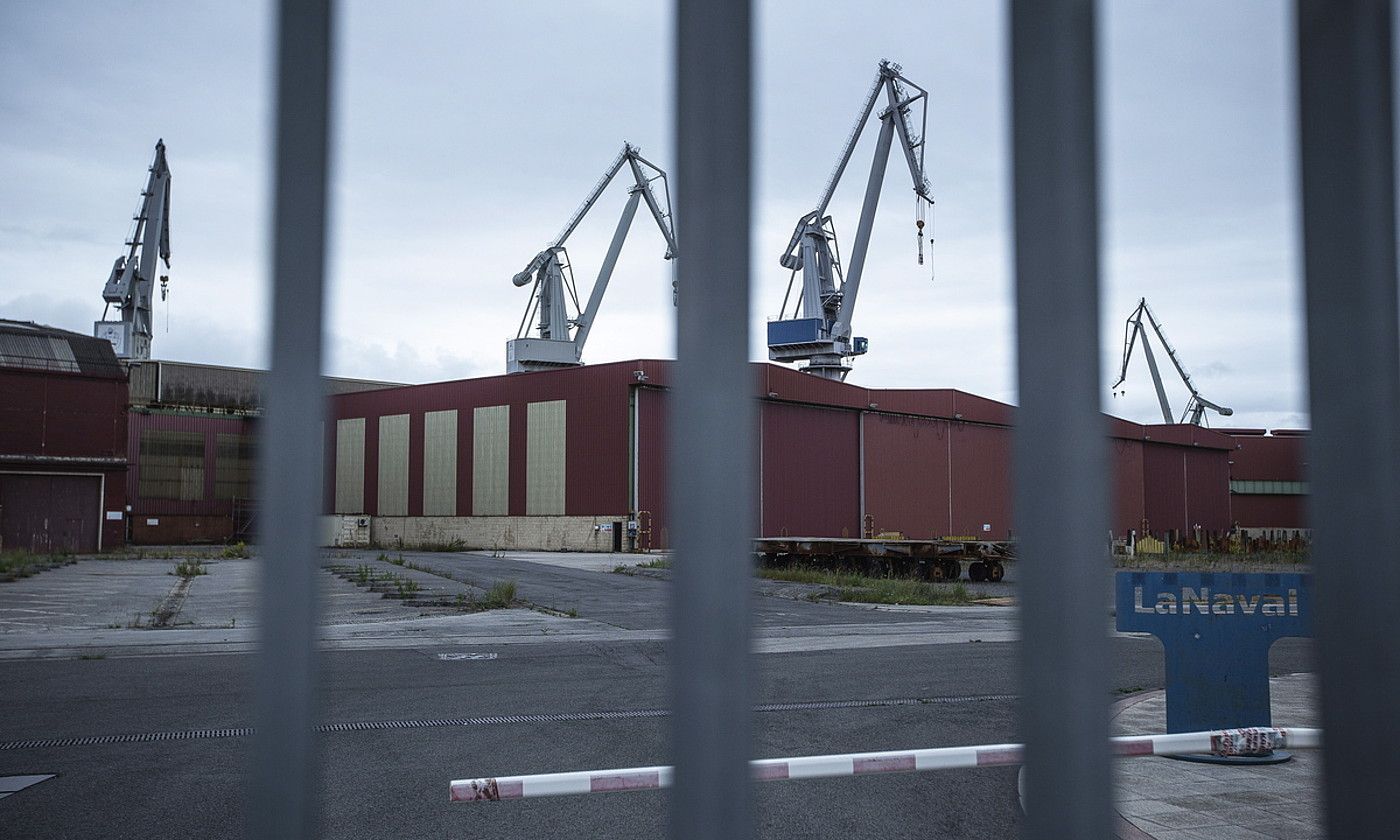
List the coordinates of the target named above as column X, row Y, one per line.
column 236, row 551
column 20, row 563
column 500, row 596
column 656, row 563
column 406, row 586
column 868, row 590
column 191, row 568
column 1213, row 560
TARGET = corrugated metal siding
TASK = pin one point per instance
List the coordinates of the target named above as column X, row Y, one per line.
column 545, row 456
column 1259, row 511
column 906, row 475
column 811, row 471
column 981, row 481
column 1208, row 489
column 50, row 512
column 1128, row 502
column 1164, row 487
column 491, row 460
column 1269, row 458
column 393, row 465
column 350, row 465
column 1186, row 487
column 204, row 500
column 440, row 463
column 61, row 415
column 651, row 466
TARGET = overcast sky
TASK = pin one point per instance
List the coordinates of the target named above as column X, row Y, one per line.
column 465, row 135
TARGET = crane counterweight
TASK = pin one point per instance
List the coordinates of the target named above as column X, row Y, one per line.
column 818, row 331
column 549, row 337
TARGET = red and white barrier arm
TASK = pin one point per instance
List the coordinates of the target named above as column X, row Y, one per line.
column 1219, row 742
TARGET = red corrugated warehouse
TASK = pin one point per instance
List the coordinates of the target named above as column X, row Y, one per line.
column 62, row 440
column 564, row 459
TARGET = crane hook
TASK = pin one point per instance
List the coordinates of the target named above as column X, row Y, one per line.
column 919, row 224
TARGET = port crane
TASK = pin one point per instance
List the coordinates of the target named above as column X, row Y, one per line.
column 549, row 336
column 131, row 282
column 1196, row 406
column 818, row 330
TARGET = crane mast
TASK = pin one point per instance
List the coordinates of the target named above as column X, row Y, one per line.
column 1196, row 406
column 818, row 330
column 131, row 282
column 549, row 337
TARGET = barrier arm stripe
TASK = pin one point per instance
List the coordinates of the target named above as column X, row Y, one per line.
column 1219, row 742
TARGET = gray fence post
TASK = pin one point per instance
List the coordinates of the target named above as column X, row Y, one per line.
column 1348, row 192
column 284, row 790
column 1061, row 438
column 712, row 414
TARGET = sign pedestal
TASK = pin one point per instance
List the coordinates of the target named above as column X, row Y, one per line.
column 1216, row 631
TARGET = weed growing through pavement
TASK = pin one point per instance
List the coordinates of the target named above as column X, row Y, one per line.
column 20, row 563
column 191, row 568
column 236, row 551
column 500, row 595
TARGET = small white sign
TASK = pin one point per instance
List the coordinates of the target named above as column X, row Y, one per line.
column 114, row 516
column 152, row 521
column 986, row 526
column 459, row 657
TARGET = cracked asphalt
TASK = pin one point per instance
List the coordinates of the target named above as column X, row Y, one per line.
column 74, row 668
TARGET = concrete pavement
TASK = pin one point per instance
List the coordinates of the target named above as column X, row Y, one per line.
column 1168, row 799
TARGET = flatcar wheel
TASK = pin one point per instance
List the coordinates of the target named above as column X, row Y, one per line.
column 977, row 572
column 953, row 570
column 938, row 572
column 995, row 572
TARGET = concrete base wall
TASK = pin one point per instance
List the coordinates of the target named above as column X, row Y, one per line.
column 540, row 533
column 345, row 531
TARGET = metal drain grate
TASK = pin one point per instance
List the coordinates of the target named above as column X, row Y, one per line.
column 487, row 720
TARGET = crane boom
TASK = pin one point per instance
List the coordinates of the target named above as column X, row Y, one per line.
column 819, row 328
column 1194, row 413
column 544, row 340
column 130, row 284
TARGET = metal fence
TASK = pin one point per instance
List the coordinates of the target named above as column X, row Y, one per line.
column 1348, row 185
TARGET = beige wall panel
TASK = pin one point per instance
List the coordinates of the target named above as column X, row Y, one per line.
column 350, row 465
column 544, row 458
column 393, row 465
column 440, row 463
column 491, row 460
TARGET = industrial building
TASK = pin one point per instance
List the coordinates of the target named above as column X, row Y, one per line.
column 566, row 459
column 63, row 440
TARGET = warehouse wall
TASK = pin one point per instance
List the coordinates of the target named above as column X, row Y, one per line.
column 190, row 475
column 810, row 471
column 1278, row 457
column 549, row 443
column 62, row 460
column 907, row 465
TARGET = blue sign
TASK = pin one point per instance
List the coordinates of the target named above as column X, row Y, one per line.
column 1216, row 631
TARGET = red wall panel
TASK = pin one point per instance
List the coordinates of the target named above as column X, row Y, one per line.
column 1269, row 511
column 1128, row 502
column 906, row 474
column 981, row 481
column 811, row 471
column 1269, row 458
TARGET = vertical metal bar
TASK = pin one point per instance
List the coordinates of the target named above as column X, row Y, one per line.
column 1061, row 438
column 284, row 801
column 712, row 421
column 1348, row 193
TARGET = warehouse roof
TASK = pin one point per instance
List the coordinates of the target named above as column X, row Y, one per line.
column 31, row 346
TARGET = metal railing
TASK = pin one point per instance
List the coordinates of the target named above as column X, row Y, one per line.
column 1344, row 54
